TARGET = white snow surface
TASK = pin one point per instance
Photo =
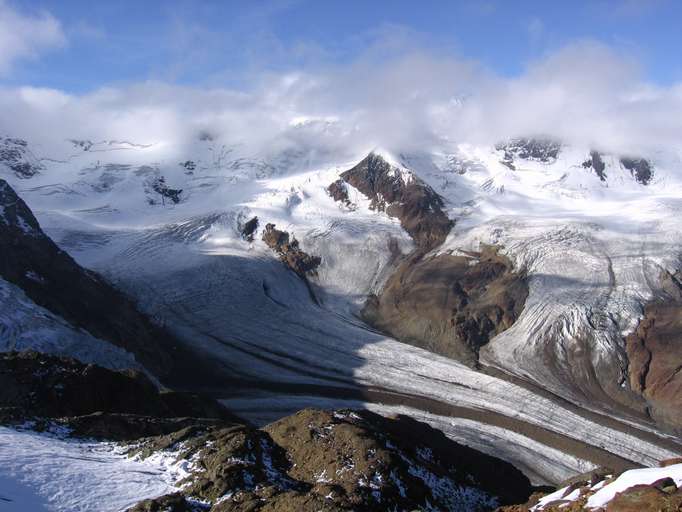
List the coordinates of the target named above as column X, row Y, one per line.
column 631, row 478
column 593, row 252
column 45, row 472
column 603, row 493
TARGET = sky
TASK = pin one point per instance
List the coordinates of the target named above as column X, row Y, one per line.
column 426, row 69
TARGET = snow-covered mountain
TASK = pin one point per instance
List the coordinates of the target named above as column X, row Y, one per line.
column 592, row 236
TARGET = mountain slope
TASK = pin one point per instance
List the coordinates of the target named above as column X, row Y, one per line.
column 53, row 280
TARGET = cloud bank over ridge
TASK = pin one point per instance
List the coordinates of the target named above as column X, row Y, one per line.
column 409, row 98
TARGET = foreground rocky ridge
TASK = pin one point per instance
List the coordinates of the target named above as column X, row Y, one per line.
column 334, row 461
column 314, row 460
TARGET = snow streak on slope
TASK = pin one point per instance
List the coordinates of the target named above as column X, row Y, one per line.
column 42, row 472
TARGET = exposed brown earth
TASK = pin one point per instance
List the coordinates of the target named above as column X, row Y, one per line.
column 337, row 461
column 289, row 251
column 451, row 305
column 53, row 280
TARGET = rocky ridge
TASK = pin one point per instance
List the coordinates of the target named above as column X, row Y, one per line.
column 334, row 461
column 654, row 356
column 400, row 194
column 95, row 402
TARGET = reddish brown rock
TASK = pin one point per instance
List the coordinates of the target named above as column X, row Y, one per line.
column 401, row 195
column 655, row 355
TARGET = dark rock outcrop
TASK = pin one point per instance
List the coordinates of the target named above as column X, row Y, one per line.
column 535, row 149
column 640, row 168
column 400, row 194
column 451, row 305
column 248, row 229
column 339, row 192
column 337, row 461
column 14, row 153
column 53, row 280
column 95, row 401
column 189, row 166
column 165, row 193
column 289, row 251
column 596, row 163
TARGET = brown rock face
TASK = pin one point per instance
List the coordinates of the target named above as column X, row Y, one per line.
column 289, row 251
column 339, row 192
column 417, row 205
column 451, row 305
column 53, row 280
column 655, row 355
column 337, row 461
column 646, row 498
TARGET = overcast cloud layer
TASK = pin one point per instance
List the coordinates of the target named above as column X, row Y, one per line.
column 408, row 98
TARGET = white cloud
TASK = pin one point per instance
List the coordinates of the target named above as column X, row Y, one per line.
column 585, row 93
column 26, row 36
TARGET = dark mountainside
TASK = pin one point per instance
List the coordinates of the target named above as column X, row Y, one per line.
column 95, row 402
column 53, row 280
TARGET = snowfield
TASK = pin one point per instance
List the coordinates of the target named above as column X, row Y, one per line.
column 45, row 472
column 601, row 493
column 593, row 251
